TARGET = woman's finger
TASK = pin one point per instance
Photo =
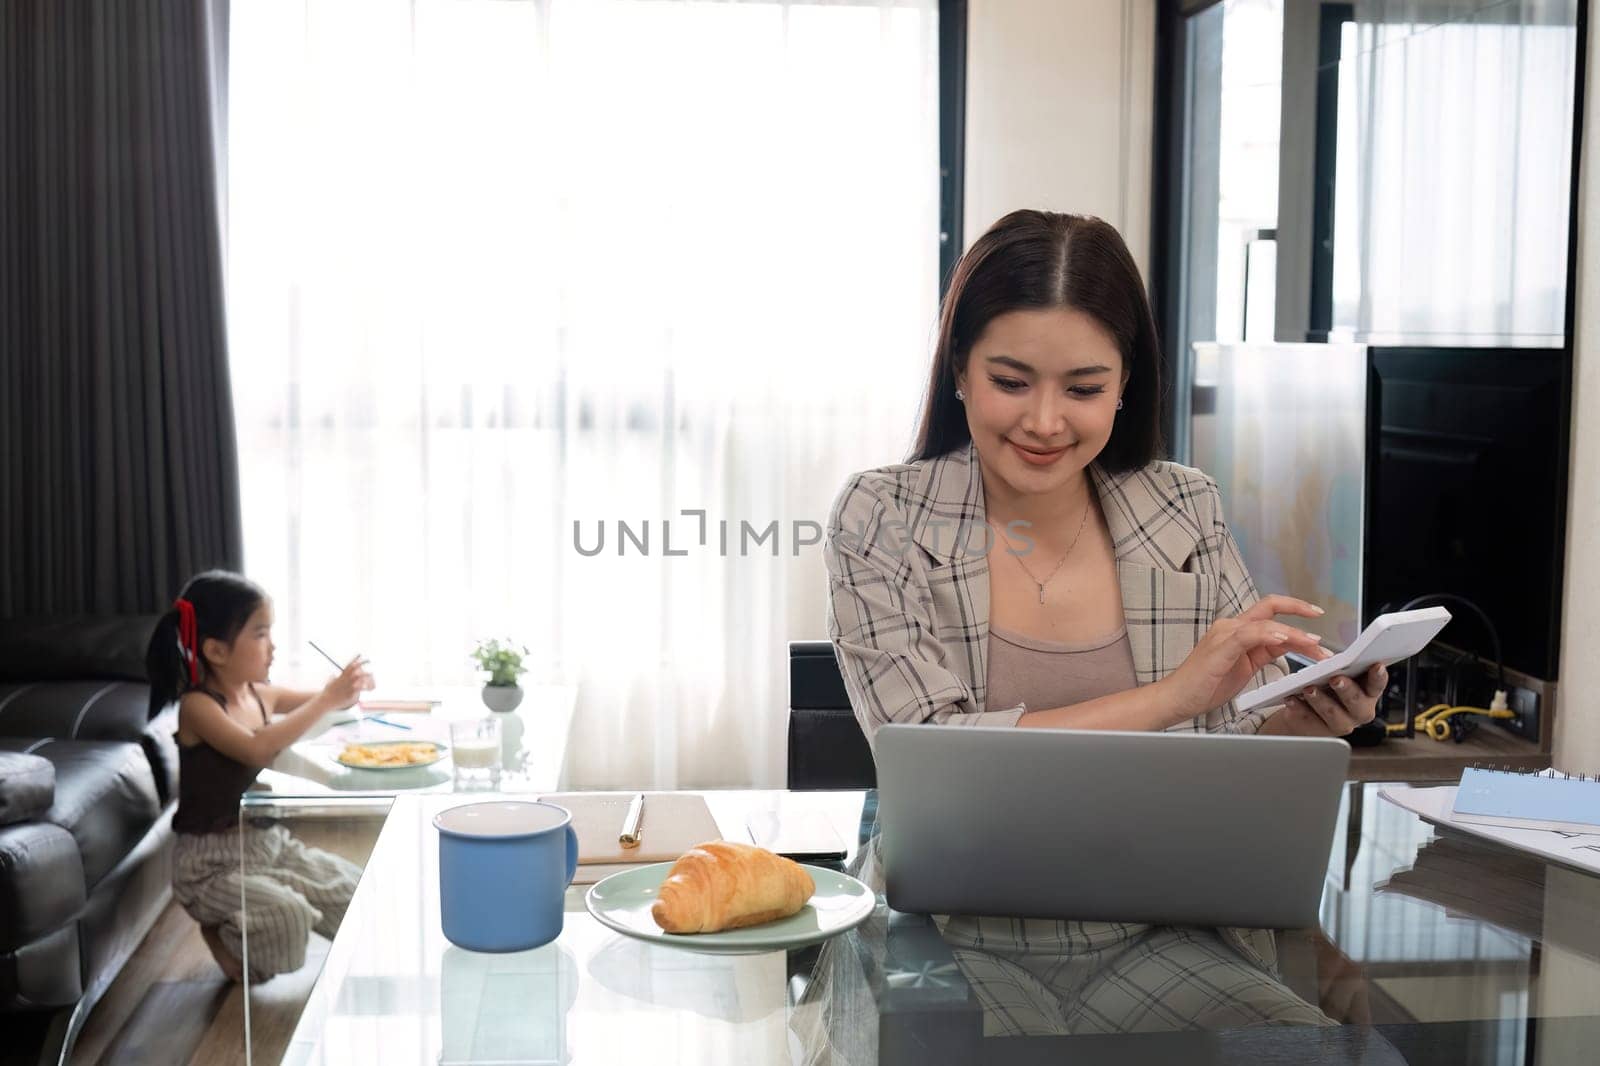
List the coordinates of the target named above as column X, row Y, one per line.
column 1223, row 627
column 1295, row 703
column 1260, row 657
column 1376, row 681
column 1270, row 634
column 1353, row 698
column 1329, row 709
column 1276, row 604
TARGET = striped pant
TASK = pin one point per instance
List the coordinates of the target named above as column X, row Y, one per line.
column 289, row 891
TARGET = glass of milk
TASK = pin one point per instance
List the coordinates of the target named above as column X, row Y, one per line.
column 475, row 751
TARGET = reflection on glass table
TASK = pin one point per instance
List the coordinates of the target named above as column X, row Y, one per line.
column 506, row 1008
column 1390, row 977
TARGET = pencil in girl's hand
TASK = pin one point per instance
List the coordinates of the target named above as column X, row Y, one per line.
column 326, row 656
column 336, row 664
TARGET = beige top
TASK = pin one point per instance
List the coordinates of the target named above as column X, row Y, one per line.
column 1041, row 674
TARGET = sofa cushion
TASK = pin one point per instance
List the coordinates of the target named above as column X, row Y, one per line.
column 65, row 648
column 41, row 881
column 105, row 797
column 95, row 710
column 75, row 710
column 45, row 973
column 27, row 786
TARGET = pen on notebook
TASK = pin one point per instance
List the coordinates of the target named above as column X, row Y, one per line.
column 632, row 825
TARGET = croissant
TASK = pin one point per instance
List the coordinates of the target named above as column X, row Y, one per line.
column 722, row 885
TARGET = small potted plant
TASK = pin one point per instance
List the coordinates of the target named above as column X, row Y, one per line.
column 503, row 663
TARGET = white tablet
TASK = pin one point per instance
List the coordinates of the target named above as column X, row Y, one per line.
column 1390, row 638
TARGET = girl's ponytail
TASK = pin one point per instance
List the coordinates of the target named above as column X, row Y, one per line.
column 165, row 664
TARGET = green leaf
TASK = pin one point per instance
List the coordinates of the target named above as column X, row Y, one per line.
column 502, row 661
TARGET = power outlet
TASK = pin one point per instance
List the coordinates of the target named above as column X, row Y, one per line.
column 1525, row 701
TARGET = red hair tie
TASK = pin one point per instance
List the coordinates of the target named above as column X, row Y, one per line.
column 188, row 638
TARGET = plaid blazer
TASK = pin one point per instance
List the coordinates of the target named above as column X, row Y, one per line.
column 908, row 575
column 908, row 608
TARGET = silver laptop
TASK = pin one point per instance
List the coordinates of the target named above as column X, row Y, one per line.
column 1168, row 828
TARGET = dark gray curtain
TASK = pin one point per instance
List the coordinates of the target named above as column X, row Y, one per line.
column 119, row 472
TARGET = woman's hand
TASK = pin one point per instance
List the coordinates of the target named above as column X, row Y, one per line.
column 1338, row 707
column 1234, row 649
column 344, row 690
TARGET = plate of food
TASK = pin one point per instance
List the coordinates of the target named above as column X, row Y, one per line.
column 725, row 898
column 390, row 754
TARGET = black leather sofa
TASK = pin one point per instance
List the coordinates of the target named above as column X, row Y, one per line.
column 88, row 782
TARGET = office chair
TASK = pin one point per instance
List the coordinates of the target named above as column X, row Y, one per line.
column 826, row 746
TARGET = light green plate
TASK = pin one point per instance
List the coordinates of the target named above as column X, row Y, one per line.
column 622, row 902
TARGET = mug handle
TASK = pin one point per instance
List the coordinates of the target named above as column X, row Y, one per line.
column 572, row 853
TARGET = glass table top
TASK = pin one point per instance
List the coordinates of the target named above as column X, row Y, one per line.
column 1432, row 949
column 533, row 747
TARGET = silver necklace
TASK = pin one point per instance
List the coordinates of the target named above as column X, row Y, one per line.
column 1082, row 523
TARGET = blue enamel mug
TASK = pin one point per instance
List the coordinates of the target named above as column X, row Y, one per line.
column 504, row 868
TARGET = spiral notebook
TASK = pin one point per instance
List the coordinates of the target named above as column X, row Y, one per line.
column 1559, row 802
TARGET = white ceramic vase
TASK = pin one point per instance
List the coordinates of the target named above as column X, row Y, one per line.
column 502, row 698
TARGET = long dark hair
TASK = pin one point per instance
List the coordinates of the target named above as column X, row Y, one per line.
column 1036, row 260
column 223, row 602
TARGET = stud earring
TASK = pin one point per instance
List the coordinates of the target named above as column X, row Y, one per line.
column 1119, row 404
column 962, row 396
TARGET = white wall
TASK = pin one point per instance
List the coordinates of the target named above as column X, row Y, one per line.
column 1297, row 150
column 1577, row 743
column 1060, row 112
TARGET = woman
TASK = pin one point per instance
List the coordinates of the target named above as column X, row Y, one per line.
column 1033, row 565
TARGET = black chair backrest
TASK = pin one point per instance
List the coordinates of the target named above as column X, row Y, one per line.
column 826, row 746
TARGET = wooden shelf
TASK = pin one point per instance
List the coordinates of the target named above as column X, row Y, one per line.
column 1422, row 759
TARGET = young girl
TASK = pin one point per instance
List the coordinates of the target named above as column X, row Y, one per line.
column 211, row 653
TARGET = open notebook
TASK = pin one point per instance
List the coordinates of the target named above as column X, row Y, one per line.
column 673, row 822
column 1528, row 801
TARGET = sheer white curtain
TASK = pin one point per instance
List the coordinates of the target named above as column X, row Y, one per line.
column 1464, row 111
column 500, row 268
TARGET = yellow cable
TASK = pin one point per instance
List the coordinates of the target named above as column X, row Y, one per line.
column 1434, row 721
column 1420, row 722
column 1422, row 719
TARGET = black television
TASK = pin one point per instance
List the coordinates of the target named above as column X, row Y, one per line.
column 1466, row 491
